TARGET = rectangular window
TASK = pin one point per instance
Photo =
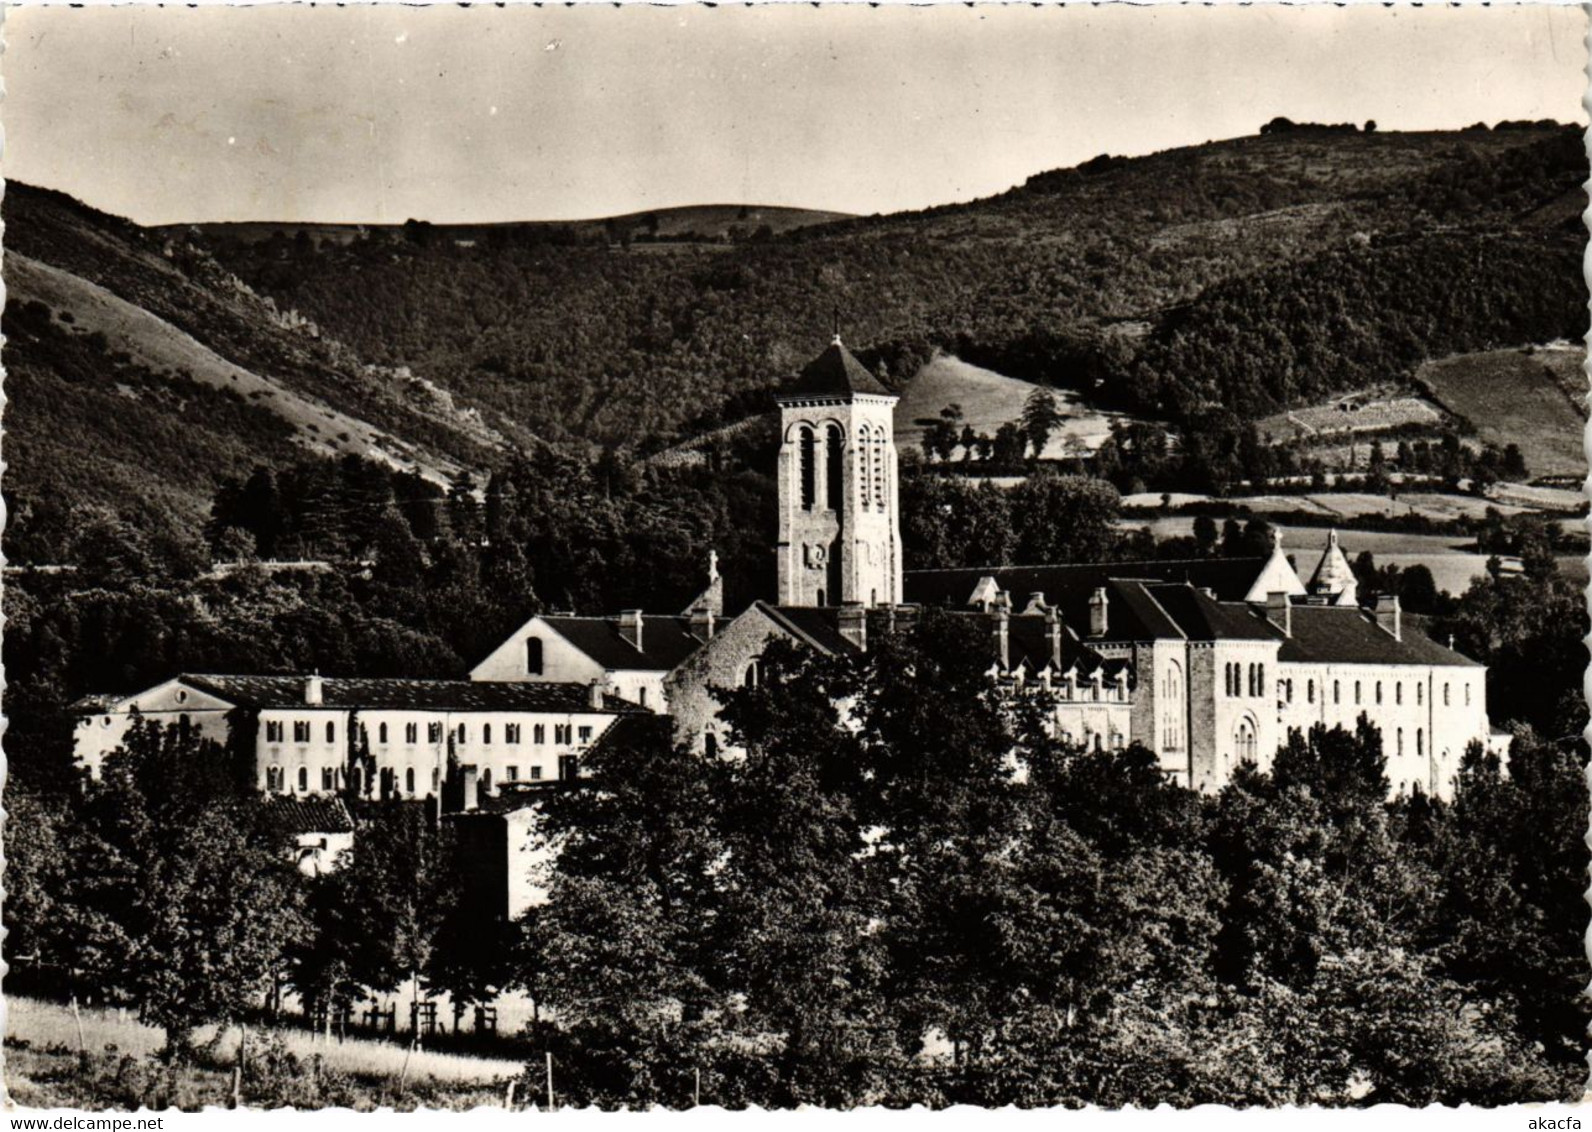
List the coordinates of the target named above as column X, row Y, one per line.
column 273, row 731
column 301, row 731
column 539, row 733
column 585, row 734
column 411, row 733
column 536, row 772
column 511, row 732
column 511, row 774
column 328, row 776
column 561, row 733
column 434, row 732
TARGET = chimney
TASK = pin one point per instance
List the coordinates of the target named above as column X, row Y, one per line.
column 1098, row 619
column 595, row 693
column 852, row 620
column 1387, row 614
column 1036, row 604
column 702, row 620
column 1001, row 629
column 1279, row 611
column 630, row 627
column 1053, row 635
column 314, row 690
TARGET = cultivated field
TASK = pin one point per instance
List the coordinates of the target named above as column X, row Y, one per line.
column 1533, row 397
column 989, row 400
column 1365, row 411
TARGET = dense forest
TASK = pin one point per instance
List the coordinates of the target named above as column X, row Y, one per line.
column 1246, row 274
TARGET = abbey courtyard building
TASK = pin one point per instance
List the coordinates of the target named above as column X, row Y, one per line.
column 1208, row 663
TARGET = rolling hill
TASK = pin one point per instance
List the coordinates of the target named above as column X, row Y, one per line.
column 1534, row 397
column 989, row 400
column 1238, row 277
column 1248, row 274
column 699, row 222
column 138, row 378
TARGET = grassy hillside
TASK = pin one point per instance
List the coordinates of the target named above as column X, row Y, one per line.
column 1533, row 397
column 139, row 375
column 1248, row 274
column 989, row 400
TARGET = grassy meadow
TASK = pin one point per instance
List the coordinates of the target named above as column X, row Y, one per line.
column 1533, row 397
column 285, row 1066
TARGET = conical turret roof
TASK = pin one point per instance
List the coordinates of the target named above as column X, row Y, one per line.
column 1333, row 573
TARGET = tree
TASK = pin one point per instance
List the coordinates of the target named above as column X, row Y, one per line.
column 192, row 898
column 1064, row 519
column 1040, row 418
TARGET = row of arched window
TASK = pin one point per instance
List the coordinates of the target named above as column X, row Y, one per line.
column 872, row 459
column 1420, row 743
column 1377, row 693
column 1250, row 678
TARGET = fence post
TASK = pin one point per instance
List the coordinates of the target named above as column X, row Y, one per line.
column 550, row 1102
column 237, row 1070
column 82, row 1046
column 508, row 1098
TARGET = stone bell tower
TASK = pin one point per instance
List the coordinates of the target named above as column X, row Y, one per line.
column 839, row 524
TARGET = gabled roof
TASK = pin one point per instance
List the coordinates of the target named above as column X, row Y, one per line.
column 817, row 626
column 1346, row 634
column 1202, row 619
column 375, row 694
column 834, row 373
column 665, row 641
column 292, row 816
column 1028, row 643
column 1069, row 586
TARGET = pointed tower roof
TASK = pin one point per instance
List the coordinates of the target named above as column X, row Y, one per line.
column 1333, row 573
column 835, row 373
column 1277, row 575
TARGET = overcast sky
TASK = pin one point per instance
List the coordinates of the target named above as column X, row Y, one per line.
column 381, row 113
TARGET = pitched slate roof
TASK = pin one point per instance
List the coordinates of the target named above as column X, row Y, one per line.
column 818, row 626
column 834, row 373
column 1202, row 619
column 374, row 693
column 1230, row 579
column 1028, row 643
column 292, row 816
column 665, row 641
column 1349, row 635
